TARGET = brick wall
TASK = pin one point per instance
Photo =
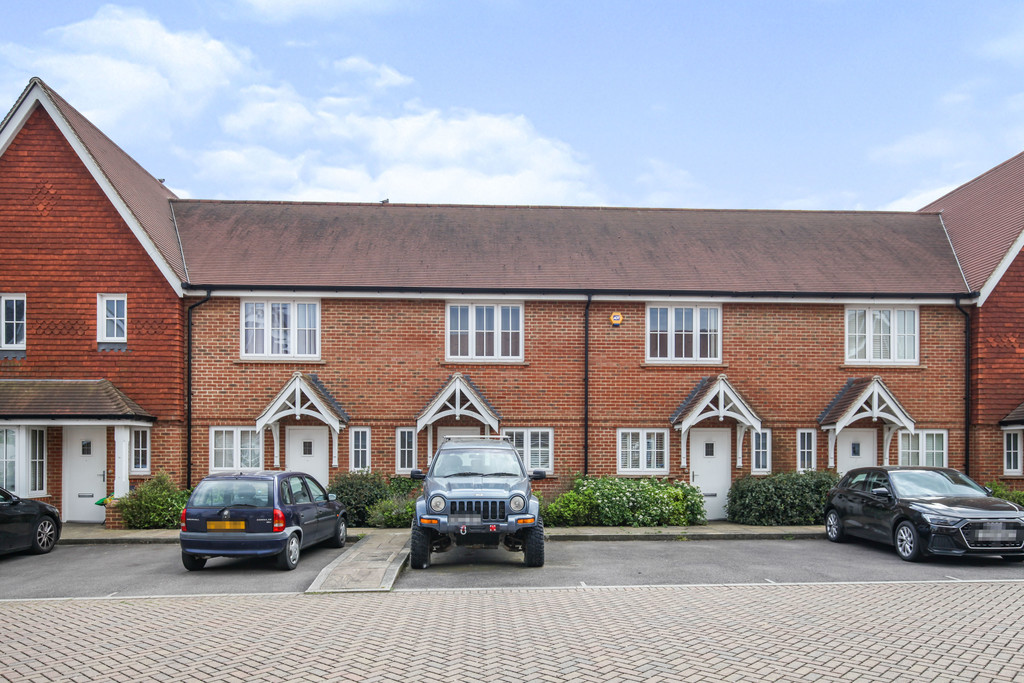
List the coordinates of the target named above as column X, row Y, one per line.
column 383, row 360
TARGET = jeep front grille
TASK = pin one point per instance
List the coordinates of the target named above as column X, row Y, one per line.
column 489, row 510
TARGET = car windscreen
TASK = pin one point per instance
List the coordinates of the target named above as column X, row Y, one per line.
column 487, row 462
column 934, row 484
column 232, row 493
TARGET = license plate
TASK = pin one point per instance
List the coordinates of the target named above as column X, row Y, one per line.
column 468, row 520
column 230, row 525
column 995, row 531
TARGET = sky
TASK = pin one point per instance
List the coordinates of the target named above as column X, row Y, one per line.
column 731, row 104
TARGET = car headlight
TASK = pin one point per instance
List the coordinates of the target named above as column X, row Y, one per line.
column 942, row 520
column 437, row 503
column 517, row 503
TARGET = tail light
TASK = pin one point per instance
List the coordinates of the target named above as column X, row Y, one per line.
column 278, row 520
column 183, row 519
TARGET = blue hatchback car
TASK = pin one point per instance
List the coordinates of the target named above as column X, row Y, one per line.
column 259, row 514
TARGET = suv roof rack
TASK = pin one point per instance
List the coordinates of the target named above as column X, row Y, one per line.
column 465, row 437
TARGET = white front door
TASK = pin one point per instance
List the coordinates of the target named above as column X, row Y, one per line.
column 856, row 448
column 85, row 473
column 306, row 451
column 711, row 467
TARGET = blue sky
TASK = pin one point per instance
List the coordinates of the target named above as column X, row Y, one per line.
column 813, row 104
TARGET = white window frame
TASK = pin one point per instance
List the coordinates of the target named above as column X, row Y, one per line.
column 22, row 323
column 921, row 450
column 672, row 353
column 761, row 450
column 236, row 449
column 17, row 444
column 401, row 450
column 894, row 339
column 643, row 441
column 528, row 450
column 265, row 335
column 500, row 332
column 1016, row 468
column 810, row 449
column 355, row 451
column 102, row 318
column 144, row 449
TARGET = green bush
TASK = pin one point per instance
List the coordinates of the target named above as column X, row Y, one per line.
column 154, row 504
column 611, row 501
column 786, row 498
column 360, row 491
column 1001, row 490
column 392, row 512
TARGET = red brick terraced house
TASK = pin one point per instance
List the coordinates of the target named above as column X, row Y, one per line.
column 689, row 344
column 985, row 221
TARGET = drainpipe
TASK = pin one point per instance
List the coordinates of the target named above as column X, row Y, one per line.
column 967, row 385
column 586, row 386
column 188, row 392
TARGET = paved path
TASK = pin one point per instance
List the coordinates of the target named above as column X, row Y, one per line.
column 950, row 631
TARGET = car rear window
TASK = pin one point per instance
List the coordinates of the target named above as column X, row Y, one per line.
column 231, row 493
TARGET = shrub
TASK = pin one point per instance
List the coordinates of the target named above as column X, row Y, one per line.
column 610, row 501
column 360, row 491
column 391, row 512
column 153, row 504
column 1001, row 490
column 786, row 498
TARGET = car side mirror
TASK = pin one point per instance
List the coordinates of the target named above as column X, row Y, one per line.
column 538, row 474
column 331, row 496
column 881, row 491
column 989, row 492
column 417, row 475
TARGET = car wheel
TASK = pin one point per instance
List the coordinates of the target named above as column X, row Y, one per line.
column 834, row 526
column 908, row 542
column 288, row 558
column 193, row 563
column 533, row 545
column 419, row 549
column 340, row 533
column 45, row 536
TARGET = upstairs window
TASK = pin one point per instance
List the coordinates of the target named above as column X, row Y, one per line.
column 882, row 335
column 484, row 332
column 112, row 318
column 12, row 319
column 281, row 329
column 684, row 334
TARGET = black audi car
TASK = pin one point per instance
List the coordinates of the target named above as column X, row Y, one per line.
column 924, row 511
column 27, row 524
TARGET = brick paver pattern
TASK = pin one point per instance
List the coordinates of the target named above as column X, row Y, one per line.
column 956, row 631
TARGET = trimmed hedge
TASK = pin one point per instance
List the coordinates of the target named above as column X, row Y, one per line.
column 611, row 501
column 786, row 498
column 154, row 504
column 372, row 500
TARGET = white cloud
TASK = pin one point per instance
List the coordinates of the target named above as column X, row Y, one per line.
column 265, row 111
column 918, row 198
column 670, row 186
column 377, row 75
column 929, row 145
column 1006, row 48
column 277, row 11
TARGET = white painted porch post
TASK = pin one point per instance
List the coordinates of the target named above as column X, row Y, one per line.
column 122, row 452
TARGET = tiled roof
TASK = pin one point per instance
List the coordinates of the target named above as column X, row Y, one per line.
column 1016, row 417
column 843, row 401
column 145, row 196
column 696, row 394
column 57, row 399
column 984, row 218
column 325, row 395
column 496, row 248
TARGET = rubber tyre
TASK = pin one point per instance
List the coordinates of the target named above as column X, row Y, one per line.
column 288, row 558
column 907, row 542
column 340, row 536
column 533, row 545
column 193, row 563
column 45, row 536
column 834, row 527
column 419, row 549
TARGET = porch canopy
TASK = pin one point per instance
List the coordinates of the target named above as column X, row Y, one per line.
column 75, row 402
column 862, row 398
column 1015, row 419
column 715, row 397
column 459, row 398
column 304, row 396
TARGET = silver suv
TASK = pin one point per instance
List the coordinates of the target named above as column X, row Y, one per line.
column 476, row 494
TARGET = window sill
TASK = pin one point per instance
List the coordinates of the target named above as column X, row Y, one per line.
column 112, row 346
column 882, row 366
column 646, row 473
column 688, row 364
column 13, row 354
column 280, row 361
column 482, row 361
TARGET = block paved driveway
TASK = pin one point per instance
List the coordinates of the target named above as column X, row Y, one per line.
column 942, row 631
